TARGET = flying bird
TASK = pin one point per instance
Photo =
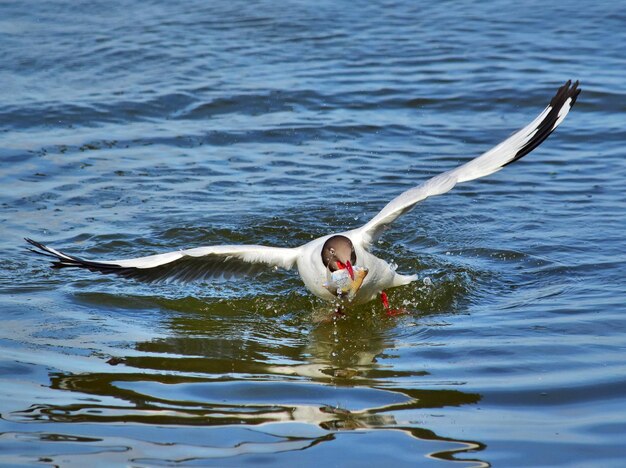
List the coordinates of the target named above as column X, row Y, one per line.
column 329, row 263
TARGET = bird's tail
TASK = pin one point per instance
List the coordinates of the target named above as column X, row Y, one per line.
column 401, row 280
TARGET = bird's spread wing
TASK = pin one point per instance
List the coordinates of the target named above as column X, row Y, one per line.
column 510, row 150
column 184, row 265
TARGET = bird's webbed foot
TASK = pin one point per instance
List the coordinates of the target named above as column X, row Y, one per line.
column 389, row 312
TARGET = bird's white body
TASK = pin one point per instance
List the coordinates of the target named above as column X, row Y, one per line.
column 224, row 260
column 380, row 274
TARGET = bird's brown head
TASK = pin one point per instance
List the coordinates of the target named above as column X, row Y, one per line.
column 338, row 253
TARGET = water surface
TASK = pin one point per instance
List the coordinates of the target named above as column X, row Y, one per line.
column 131, row 128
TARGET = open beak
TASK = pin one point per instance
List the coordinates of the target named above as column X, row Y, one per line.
column 346, row 266
column 350, row 270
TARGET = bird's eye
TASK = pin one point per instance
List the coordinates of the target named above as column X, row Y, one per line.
column 332, row 251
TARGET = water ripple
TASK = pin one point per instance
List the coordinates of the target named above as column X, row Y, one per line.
column 134, row 128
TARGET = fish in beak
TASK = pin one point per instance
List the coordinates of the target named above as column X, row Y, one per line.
column 346, row 266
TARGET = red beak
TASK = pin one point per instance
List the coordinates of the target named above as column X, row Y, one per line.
column 350, row 270
column 346, row 266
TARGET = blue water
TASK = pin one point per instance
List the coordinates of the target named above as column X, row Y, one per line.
column 133, row 128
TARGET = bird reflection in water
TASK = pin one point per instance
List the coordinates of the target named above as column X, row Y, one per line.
column 258, row 374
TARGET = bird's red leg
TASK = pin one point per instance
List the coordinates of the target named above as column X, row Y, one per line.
column 389, row 311
column 385, row 300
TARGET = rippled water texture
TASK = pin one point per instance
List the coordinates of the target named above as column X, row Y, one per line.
column 132, row 128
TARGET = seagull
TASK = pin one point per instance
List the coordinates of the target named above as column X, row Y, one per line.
column 323, row 260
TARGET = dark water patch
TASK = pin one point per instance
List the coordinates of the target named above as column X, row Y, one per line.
column 213, row 403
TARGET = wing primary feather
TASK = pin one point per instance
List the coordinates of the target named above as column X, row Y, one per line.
column 182, row 266
column 508, row 151
column 548, row 124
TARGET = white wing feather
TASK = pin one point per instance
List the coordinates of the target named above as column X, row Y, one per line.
column 183, row 265
column 229, row 260
column 513, row 148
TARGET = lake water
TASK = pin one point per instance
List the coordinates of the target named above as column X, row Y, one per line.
column 132, row 128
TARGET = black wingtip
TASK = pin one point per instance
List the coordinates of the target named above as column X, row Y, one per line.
column 42, row 248
column 44, row 251
column 564, row 93
column 39, row 252
column 548, row 124
column 575, row 91
column 63, row 260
